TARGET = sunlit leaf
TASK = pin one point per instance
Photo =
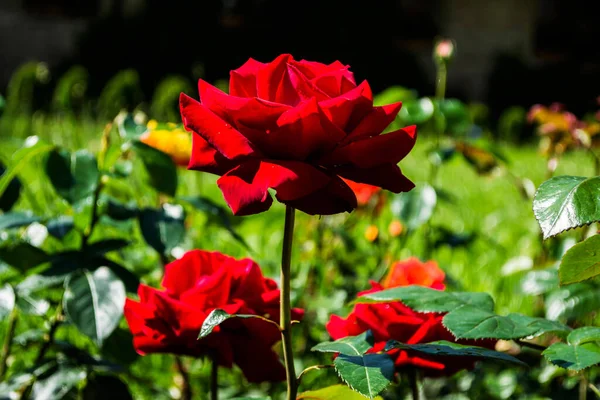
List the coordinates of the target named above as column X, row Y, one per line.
column 163, row 229
column 7, row 300
column 581, row 261
column 74, row 176
column 350, row 345
column 335, row 392
column 161, row 169
column 12, row 192
column 368, row 374
column 216, row 318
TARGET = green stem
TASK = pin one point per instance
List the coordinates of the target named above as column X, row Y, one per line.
column 214, row 380
column 186, row 388
column 440, row 86
column 583, row 386
column 58, row 319
column 285, row 318
column 10, row 334
column 594, row 389
column 313, row 368
column 413, row 379
column 94, row 218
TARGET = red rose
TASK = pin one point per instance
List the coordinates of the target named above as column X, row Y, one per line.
column 362, row 191
column 414, row 272
column 168, row 321
column 296, row 127
column 395, row 321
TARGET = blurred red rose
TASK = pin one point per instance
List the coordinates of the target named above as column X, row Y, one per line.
column 168, row 321
column 362, row 191
column 296, row 127
column 395, row 321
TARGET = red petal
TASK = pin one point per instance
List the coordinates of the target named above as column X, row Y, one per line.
column 242, row 81
column 334, row 198
column 375, row 122
column 221, row 136
column 374, row 151
column 245, row 188
column 386, row 176
column 246, row 352
column 273, row 82
column 354, row 104
column 205, row 158
column 305, row 89
column 183, row 274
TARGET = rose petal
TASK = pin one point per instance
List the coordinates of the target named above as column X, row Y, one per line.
column 375, row 122
column 183, row 274
column 273, row 82
column 220, row 135
column 335, row 197
column 352, row 105
column 386, row 176
column 246, row 352
column 210, row 291
column 245, row 188
column 304, row 88
column 374, row 151
column 206, row 159
column 242, row 81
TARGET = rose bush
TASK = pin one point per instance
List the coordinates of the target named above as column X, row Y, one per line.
column 168, row 321
column 395, row 321
column 297, row 127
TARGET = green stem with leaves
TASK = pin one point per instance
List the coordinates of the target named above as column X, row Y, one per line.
column 285, row 318
column 10, row 334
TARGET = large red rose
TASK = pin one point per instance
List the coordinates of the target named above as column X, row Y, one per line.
column 296, row 127
column 395, row 321
column 168, row 321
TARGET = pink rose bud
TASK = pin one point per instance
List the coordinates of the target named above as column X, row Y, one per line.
column 444, row 50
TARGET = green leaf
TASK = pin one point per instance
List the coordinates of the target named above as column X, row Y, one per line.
column 534, row 326
column 29, row 337
column 573, row 357
column 581, row 261
column 129, row 129
column 335, row 392
column 416, row 112
column 220, row 214
column 22, row 255
column 94, row 302
column 99, row 385
column 11, row 195
column 19, row 219
column 32, row 148
column 59, row 384
column 444, row 348
column 119, row 211
column 59, row 227
column 161, row 168
column 416, row 207
column 118, row 347
column 74, row 176
column 368, row 374
column 106, row 246
column 424, row 299
column 572, row 301
column 7, row 300
column 164, row 228
column 567, row 202
column 350, row 345
column 217, row 317
column 583, row 335
column 32, row 305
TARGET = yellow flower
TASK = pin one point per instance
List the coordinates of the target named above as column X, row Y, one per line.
column 371, row 233
column 170, row 139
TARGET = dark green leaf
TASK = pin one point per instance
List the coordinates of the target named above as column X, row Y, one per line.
column 534, row 326
column 106, row 246
column 17, row 220
column 350, row 345
column 12, row 192
column 119, row 347
column 161, row 168
column 119, row 211
column 416, row 112
column 100, row 385
column 74, row 176
column 129, row 129
column 59, row 227
column 94, row 302
column 444, row 348
column 32, row 305
column 335, row 392
column 163, row 229
column 583, row 335
column 22, row 255
column 573, row 357
column 368, row 374
column 49, row 278
column 414, row 208
column 81, row 356
column 216, row 318
column 59, row 384
column 7, row 301
column 32, row 147
column 424, row 299
column 129, row 279
column 581, row 261
column 567, row 202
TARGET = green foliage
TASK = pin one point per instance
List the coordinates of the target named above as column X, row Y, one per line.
column 70, row 91
column 581, row 261
column 74, row 176
column 161, row 169
column 567, row 202
column 21, row 87
column 581, row 350
column 163, row 228
column 415, row 208
column 165, row 101
column 12, row 192
column 335, row 392
column 511, row 125
column 121, row 92
column 351, row 345
column 217, row 317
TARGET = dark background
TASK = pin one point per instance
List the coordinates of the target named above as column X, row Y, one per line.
column 388, row 42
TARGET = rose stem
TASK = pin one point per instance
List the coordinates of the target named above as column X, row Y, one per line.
column 286, row 311
column 414, row 383
column 186, row 388
column 214, row 380
column 10, row 334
